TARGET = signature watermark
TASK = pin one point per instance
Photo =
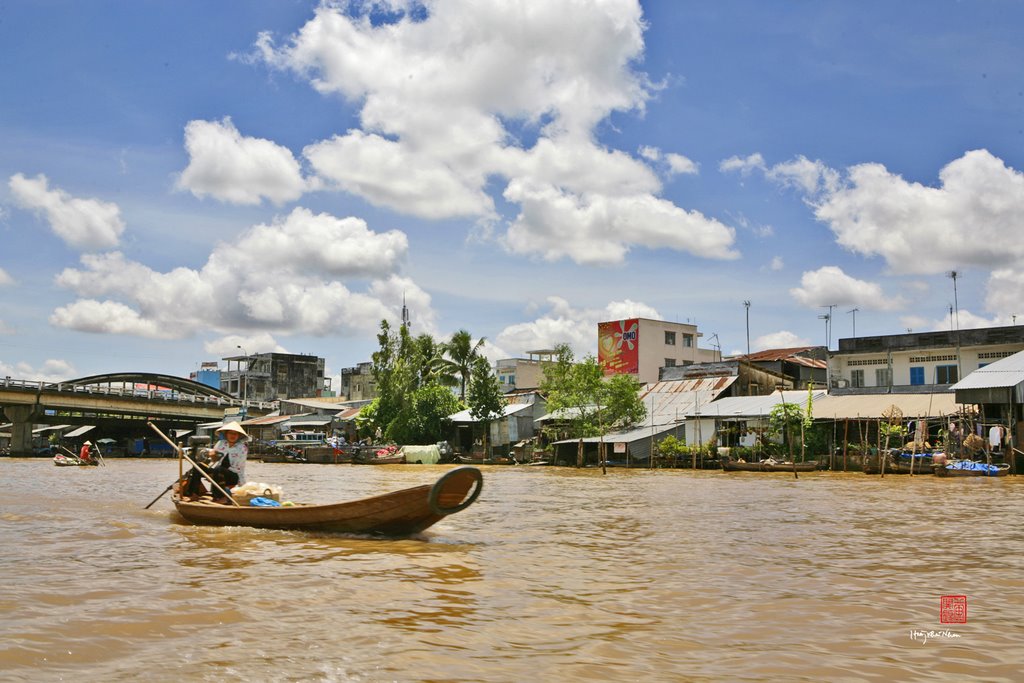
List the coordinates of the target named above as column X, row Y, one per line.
column 925, row 636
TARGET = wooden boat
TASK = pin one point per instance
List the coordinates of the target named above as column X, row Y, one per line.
column 370, row 459
column 768, row 465
column 400, row 513
column 900, row 462
column 969, row 468
column 73, row 461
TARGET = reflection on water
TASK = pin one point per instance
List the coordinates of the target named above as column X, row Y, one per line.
column 554, row 574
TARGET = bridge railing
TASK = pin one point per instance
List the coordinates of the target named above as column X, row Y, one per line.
column 129, row 392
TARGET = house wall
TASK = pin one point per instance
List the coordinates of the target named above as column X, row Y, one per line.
column 925, row 360
column 660, row 343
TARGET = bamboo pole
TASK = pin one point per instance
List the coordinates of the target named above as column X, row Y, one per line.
column 846, row 435
column 181, row 454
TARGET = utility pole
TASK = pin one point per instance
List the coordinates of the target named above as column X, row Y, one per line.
column 959, row 371
column 828, row 373
column 746, row 304
column 854, row 312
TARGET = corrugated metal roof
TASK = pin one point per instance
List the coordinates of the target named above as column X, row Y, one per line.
column 777, row 354
column 508, row 409
column 1005, row 372
column 266, row 420
column 755, row 406
column 871, row 406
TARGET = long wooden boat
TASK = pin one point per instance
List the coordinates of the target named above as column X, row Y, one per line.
column 769, row 465
column 399, row 513
column 958, row 468
column 900, row 462
column 73, row 461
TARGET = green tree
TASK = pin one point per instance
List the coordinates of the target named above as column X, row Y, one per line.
column 461, row 352
column 486, row 402
column 589, row 403
column 424, row 417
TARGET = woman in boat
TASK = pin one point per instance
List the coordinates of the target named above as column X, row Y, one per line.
column 231, row 451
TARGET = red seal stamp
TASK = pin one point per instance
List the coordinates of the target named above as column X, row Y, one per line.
column 953, row 609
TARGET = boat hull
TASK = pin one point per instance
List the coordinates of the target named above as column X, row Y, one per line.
column 400, row 513
column 730, row 465
column 1002, row 470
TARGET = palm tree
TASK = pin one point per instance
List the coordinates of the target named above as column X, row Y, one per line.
column 461, row 352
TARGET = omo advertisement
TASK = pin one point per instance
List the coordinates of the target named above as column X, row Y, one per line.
column 618, row 346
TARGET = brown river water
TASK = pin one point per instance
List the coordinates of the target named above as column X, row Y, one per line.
column 553, row 575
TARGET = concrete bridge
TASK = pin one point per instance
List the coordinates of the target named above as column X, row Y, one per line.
column 121, row 403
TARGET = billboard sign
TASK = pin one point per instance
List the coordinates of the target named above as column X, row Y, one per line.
column 618, row 346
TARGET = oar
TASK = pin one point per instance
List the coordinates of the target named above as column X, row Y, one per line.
column 201, row 471
column 162, row 494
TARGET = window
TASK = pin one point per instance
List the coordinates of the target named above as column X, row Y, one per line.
column 670, row 338
column 917, row 376
column 688, row 340
column 856, row 378
column 670, row 363
column 945, row 374
column 883, row 377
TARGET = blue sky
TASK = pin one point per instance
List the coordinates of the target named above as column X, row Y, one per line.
column 178, row 180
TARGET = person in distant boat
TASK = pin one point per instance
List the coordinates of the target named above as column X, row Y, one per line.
column 231, row 451
column 84, row 453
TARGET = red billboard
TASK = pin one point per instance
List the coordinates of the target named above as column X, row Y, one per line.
column 618, row 346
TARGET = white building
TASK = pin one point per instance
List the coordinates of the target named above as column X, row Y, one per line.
column 925, row 361
column 641, row 347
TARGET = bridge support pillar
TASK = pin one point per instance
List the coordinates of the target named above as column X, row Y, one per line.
column 21, row 430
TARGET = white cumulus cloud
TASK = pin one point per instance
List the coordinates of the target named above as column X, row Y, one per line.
column 87, row 224
column 561, row 323
column 830, row 285
column 5, row 278
column 242, row 170
column 303, row 273
column 783, row 339
column 462, row 101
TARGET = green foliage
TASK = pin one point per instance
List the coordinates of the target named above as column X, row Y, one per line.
column 785, row 420
column 589, row 404
column 461, row 353
column 424, row 417
column 484, row 394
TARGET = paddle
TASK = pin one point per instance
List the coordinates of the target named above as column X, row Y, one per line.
column 161, row 494
column 199, row 469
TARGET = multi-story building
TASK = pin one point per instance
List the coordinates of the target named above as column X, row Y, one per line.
column 641, row 347
column 208, row 374
column 523, row 373
column 919, row 361
column 357, row 383
column 273, row 376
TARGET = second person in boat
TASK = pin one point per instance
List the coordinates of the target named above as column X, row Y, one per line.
column 230, row 452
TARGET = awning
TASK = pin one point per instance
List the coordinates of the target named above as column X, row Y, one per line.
column 78, row 432
column 49, row 428
column 310, row 421
column 178, row 433
column 510, row 409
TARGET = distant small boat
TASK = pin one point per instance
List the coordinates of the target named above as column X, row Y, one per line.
column 73, row 461
column 768, row 465
column 399, row 513
column 969, row 468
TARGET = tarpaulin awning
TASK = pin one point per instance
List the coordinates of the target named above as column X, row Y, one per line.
column 48, row 428
column 78, row 432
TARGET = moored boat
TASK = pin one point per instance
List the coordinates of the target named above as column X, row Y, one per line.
column 399, row 513
column 970, row 468
column 901, row 462
column 730, row 464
